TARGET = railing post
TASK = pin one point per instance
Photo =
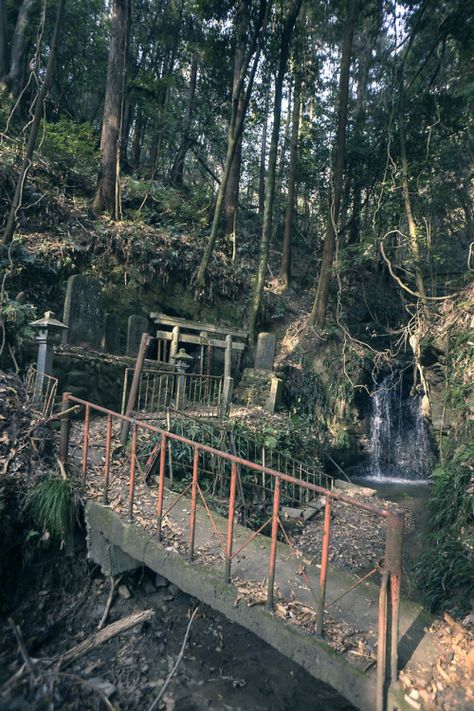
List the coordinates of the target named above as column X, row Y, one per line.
column 230, row 522
column 382, row 645
column 132, row 473
column 137, row 374
column 273, row 547
column 64, row 431
column 192, row 518
column 393, row 565
column 324, row 567
column 108, row 442
column 228, row 357
column 161, row 485
column 85, row 446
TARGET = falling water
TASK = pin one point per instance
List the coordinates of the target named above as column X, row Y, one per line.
column 399, row 437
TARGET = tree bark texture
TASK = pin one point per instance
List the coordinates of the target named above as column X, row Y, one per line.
column 231, row 197
column 263, row 159
column 412, row 229
column 259, row 282
column 318, row 312
column 106, row 195
column 285, row 267
column 3, row 41
column 16, row 74
column 38, row 112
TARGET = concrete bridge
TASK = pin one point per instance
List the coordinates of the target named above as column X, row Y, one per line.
column 259, row 581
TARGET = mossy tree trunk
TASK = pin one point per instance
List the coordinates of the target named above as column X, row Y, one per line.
column 318, row 312
column 285, row 267
column 106, row 198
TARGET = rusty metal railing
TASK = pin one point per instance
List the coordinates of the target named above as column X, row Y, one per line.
column 41, row 390
column 160, row 389
column 223, row 436
column 390, row 567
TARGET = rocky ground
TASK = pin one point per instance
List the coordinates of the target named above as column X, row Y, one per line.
column 223, row 667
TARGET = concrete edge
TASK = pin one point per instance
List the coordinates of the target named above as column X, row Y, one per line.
column 313, row 654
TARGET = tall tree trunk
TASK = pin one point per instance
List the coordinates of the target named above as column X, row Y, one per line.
column 231, row 197
column 3, row 41
column 16, row 75
column 234, row 132
column 412, row 229
column 370, row 31
column 177, row 169
column 263, row 159
column 318, row 312
column 107, row 192
column 285, row 267
column 259, row 282
column 38, row 112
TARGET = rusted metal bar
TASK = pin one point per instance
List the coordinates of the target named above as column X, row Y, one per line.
column 65, row 430
column 230, row 521
column 161, row 484
column 211, row 517
column 108, row 441
column 324, row 567
column 250, row 539
column 382, row 645
column 192, row 518
column 85, row 446
column 393, row 565
column 273, row 547
column 244, row 462
column 132, row 397
column 133, row 461
column 395, row 585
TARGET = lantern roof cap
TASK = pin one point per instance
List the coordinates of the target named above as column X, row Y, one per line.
column 48, row 321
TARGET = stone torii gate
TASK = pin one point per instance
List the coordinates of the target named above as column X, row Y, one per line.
column 173, row 331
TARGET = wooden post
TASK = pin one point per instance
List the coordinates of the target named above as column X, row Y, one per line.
column 174, row 342
column 228, row 357
column 137, row 374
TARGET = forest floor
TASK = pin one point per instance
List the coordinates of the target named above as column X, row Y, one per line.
column 223, row 667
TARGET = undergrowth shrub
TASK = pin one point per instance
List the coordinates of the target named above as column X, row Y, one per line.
column 52, row 505
column 445, row 571
column 71, row 146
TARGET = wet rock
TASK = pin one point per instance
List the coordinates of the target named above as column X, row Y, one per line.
column 160, row 581
column 148, row 587
column 124, row 592
column 173, row 589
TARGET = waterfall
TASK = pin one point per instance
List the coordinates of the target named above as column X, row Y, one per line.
column 399, row 437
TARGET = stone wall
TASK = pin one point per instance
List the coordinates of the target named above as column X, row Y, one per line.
column 97, row 377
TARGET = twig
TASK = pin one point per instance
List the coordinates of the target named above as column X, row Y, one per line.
column 176, row 664
column 22, row 647
column 104, row 635
column 113, row 585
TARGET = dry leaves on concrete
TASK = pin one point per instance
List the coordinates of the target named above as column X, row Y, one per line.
column 448, row 684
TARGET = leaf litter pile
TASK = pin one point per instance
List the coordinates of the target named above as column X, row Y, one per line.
column 357, row 537
column 448, row 685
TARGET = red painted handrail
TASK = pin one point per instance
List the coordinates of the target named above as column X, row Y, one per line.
column 391, row 568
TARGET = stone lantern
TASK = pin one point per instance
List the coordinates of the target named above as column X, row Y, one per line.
column 182, row 361
column 47, row 327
